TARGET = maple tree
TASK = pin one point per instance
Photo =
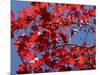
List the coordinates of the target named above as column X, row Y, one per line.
column 51, row 27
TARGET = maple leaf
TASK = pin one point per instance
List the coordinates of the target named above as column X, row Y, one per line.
column 57, row 10
column 35, row 63
column 74, row 7
column 45, row 15
column 92, row 12
column 71, row 61
column 33, row 37
column 81, row 60
column 43, row 5
column 64, row 37
column 78, row 14
column 82, row 7
column 29, row 56
column 27, row 10
column 22, row 14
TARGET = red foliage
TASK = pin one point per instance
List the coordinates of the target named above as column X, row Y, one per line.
column 46, row 35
